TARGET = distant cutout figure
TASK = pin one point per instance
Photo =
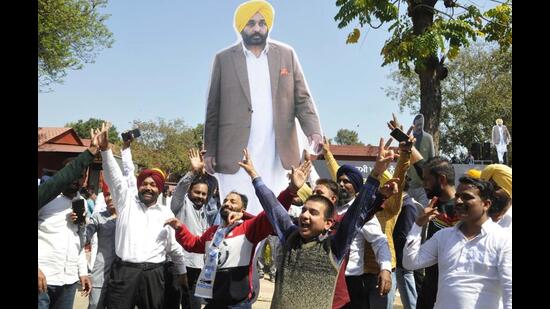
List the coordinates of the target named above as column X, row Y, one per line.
column 425, row 145
column 500, row 140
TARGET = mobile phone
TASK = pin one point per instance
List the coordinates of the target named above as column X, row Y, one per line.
column 126, row 136
column 399, row 135
column 79, row 208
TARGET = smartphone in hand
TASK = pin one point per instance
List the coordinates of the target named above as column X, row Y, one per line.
column 399, row 135
column 79, row 208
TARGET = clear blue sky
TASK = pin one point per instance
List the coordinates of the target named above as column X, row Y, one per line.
column 160, row 63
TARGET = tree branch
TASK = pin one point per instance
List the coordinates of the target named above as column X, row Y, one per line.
column 373, row 27
column 481, row 16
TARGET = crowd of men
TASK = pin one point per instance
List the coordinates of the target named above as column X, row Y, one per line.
column 352, row 245
column 338, row 242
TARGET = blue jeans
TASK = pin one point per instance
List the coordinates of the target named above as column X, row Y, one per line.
column 58, row 297
column 391, row 293
column 407, row 287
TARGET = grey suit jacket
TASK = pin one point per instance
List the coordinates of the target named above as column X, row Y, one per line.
column 228, row 111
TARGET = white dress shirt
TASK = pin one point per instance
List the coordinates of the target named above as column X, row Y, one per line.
column 474, row 273
column 140, row 232
column 506, row 220
column 61, row 256
column 341, row 210
column 372, row 233
column 261, row 141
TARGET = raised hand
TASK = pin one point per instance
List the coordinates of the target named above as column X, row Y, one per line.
column 298, row 176
column 407, row 145
column 103, row 136
column 94, row 146
column 326, row 145
column 197, row 161
column 390, row 187
column 393, row 124
column 246, row 163
column 429, row 213
column 128, row 142
column 383, row 159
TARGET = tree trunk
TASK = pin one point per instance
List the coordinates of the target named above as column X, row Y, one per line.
column 430, row 100
column 430, row 71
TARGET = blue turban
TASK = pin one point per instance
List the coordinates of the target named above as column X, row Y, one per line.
column 354, row 175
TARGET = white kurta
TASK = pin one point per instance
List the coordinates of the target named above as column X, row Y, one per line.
column 261, row 143
column 501, row 147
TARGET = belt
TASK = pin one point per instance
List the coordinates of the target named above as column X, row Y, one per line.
column 143, row 266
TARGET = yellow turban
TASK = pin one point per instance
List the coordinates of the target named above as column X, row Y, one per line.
column 246, row 10
column 473, row 173
column 501, row 174
column 160, row 171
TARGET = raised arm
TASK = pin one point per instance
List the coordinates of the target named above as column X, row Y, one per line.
column 332, row 165
column 117, row 183
column 394, row 203
column 71, row 172
column 178, row 197
column 277, row 215
column 298, row 177
column 365, row 204
column 128, row 169
column 197, row 168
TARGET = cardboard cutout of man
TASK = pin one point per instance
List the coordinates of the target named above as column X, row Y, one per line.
column 500, row 140
column 257, row 90
column 425, row 145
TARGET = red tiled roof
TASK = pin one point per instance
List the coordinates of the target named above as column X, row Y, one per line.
column 46, row 134
column 61, row 148
column 86, row 141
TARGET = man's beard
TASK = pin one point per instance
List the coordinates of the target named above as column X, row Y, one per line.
column 197, row 203
column 148, row 201
column 435, row 191
column 344, row 197
column 224, row 213
column 499, row 203
column 255, row 39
